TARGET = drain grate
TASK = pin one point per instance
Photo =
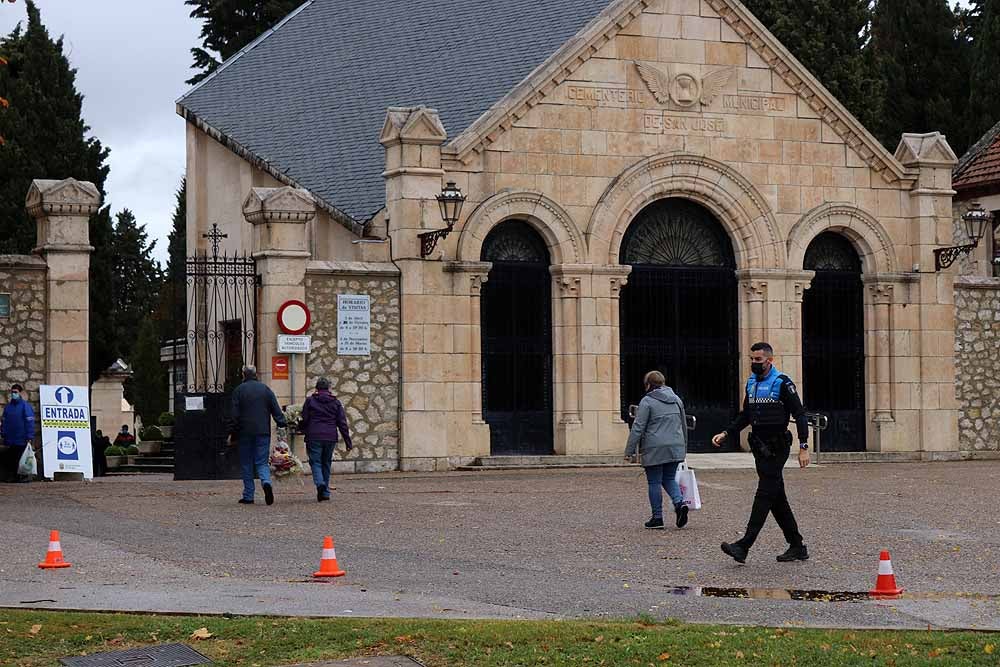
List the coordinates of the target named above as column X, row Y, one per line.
column 164, row 655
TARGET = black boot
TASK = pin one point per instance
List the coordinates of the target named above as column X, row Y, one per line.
column 682, row 515
column 654, row 523
column 735, row 551
column 268, row 494
column 794, row 553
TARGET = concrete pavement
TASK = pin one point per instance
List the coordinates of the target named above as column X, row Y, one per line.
column 527, row 544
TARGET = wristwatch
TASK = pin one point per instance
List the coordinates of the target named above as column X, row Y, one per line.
column 803, row 446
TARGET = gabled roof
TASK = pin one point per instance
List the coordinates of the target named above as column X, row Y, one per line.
column 305, row 102
column 979, row 168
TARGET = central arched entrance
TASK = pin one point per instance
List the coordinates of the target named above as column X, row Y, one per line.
column 679, row 313
column 833, row 341
column 517, row 341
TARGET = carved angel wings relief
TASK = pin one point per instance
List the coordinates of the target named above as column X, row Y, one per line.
column 682, row 88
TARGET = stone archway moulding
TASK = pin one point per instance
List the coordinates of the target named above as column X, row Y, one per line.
column 737, row 204
column 869, row 238
column 566, row 244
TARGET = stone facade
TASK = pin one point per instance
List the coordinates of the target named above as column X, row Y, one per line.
column 654, row 99
column 22, row 335
column 977, row 365
column 368, row 386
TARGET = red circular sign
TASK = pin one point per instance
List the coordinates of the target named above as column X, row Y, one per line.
column 294, row 317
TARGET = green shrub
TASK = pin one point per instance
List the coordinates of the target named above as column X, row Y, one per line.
column 151, row 433
column 131, row 450
column 166, row 419
column 114, row 451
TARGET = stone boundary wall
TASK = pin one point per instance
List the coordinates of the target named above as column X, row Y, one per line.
column 977, row 363
column 367, row 386
column 22, row 335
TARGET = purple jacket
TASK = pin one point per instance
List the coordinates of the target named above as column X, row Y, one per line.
column 322, row 416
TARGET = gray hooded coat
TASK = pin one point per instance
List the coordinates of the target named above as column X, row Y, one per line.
column 659, row 431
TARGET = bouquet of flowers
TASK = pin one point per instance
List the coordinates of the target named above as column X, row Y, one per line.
column 293, row 416
column 283, row 462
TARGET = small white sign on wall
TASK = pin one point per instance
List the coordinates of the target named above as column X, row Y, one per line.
column 354, row 325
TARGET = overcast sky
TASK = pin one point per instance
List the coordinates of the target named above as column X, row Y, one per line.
column 132, row 58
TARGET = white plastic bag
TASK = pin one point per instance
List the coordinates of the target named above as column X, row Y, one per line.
column 28, row 466
column 689, row 486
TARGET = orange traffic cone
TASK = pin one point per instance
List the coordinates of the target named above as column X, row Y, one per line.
column 328, row 566
column 54, row 557
column 885, row 585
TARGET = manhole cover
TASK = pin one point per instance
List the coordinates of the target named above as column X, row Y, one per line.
column 165, row 655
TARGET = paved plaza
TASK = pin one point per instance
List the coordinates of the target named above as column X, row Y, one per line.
column 512, row 544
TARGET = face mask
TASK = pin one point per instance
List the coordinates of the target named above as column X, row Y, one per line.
column 15, row 396
column 757, row 369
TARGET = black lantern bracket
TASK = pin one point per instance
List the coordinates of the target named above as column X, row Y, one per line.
column 976, row 220
column 450, row 201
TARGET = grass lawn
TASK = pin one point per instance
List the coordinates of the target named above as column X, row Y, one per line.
column 33, row 639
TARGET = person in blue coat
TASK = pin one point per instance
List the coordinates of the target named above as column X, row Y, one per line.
column 17, row 430
column 254, row 406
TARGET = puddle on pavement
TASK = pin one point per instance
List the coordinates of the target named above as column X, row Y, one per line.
column 814, row 596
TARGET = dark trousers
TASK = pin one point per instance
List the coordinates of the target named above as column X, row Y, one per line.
column 771, row 497
column 10, row 459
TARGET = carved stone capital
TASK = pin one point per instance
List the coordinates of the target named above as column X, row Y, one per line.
column 62, row 198
column 569, row 286
column 882, row 293
column 756, row 290
column 282, row 205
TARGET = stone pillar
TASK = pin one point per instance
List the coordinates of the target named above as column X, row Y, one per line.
column 930, row 204
column 603, row 431
column 569, row 282
column 881, row 296
column 63, row 210
column 279, row 217
column 754, row 289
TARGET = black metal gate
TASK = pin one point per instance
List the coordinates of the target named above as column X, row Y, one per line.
column 679, row 314
column 516, row 316
column 833, row 344
column 219, row 339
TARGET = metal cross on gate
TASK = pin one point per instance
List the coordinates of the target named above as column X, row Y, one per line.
column 216, row 236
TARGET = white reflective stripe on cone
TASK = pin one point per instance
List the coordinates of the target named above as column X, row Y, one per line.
column 54, row 546
column 329, row 554
column 885, row 567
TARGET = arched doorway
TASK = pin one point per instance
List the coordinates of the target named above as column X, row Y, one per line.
column 833, row 342
column 679, row 313
column 517, row 341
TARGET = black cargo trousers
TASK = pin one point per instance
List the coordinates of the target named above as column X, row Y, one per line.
column 770, row 453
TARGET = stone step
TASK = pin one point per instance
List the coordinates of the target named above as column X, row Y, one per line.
column 547, row 461
column 154, row 460
column 144, row 468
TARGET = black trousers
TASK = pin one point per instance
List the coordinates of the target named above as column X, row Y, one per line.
column 771, row 497
column 10, row 459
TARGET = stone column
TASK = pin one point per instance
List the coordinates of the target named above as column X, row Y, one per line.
column 881, row 298
column 63, row 210
column 603, row 430
column 569, row 282
column 279, row 217
column 798, row 283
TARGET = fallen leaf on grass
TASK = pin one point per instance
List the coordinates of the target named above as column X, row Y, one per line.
column 663, row 657
column 988, row 649
column 201, row 633
column 739, row 655
column 35, row 629
column 599, row 638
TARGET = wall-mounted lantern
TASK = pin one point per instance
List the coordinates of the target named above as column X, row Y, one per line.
column 977, row 220
column 450, row 201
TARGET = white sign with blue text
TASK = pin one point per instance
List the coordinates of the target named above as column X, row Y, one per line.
column 66, row 430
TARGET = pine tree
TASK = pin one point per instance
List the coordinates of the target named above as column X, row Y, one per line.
column 137, row 280
column 829, row 38
column 147, row 388
column 229, row 25
column 984, row 84
column 921, row 56
column 175, row 290
column 45, row 137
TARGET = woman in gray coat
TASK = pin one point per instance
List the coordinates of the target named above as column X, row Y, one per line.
column 659, row 441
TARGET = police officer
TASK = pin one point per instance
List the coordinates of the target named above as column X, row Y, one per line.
column 769, row 400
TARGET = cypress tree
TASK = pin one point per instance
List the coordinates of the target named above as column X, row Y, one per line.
column 984, row 84
column 137, row 280
column 46, row 137
column 920, row 55
column 173, row 309
column 147, row 388
column 829, row 38
column 229, row 25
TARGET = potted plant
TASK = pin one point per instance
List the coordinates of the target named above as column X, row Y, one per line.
column 132, row 451
column 166, row 422
column 150, row 440
column 115, row 456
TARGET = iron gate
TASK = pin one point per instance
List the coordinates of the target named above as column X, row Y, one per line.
column 516, row 315
column 219, row 339
column 833, row 345
column 679, row 314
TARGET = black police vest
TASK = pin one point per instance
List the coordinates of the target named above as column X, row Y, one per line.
column 764, row 400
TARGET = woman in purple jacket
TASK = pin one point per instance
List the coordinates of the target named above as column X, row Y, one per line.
column 322, row 417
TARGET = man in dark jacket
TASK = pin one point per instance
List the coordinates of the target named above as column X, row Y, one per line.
column 254, row 404
column 322, row 417
column 17, row 430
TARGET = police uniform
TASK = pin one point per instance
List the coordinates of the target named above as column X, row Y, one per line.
column 767, row 404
